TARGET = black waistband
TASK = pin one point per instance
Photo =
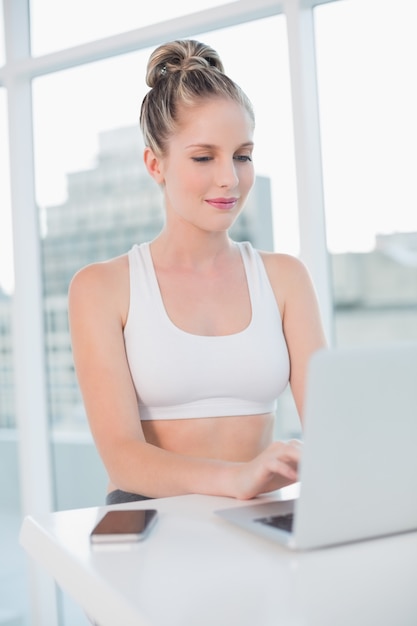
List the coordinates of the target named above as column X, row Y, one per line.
column 118, row 496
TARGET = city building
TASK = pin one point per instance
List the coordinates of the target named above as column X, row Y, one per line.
column 375, row 293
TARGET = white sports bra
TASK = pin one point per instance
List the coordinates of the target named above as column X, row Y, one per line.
column 179, row 375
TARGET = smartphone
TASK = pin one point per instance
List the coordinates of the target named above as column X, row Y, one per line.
column 125, row 526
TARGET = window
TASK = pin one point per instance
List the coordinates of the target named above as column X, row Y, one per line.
column 366, row 54
column 58, row 25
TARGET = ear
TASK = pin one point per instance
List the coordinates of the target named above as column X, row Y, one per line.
column 153, row 165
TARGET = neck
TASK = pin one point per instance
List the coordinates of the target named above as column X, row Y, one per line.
column 198, row 250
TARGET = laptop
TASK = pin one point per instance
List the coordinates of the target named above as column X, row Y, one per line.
column 358, row 472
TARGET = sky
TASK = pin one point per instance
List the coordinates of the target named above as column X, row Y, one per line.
column 366, row 55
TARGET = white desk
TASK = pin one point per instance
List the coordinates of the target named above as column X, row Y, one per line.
column 197, row 570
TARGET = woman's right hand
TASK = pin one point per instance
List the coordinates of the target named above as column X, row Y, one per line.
column 275, row 467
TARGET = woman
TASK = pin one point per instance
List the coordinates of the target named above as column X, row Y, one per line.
column 182, row 345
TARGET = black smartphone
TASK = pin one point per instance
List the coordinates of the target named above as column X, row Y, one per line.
column 127, row 525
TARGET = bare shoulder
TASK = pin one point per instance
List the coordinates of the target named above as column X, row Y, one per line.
column 101, row 274
column 285, row 271
column 104, row 284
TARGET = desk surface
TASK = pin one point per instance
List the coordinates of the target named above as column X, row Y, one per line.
column 195, row 568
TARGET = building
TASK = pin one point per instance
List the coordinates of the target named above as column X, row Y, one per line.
column 375, row 293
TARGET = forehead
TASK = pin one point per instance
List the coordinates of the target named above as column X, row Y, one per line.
column 208, row 118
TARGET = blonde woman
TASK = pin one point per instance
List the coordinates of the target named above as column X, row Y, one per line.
column 183, row 345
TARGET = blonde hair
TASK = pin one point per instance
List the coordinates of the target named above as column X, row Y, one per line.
column 182, row 73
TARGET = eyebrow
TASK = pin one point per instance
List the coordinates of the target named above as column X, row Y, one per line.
column 209, row 146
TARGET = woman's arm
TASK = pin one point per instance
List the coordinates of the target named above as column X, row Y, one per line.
column 301, row 319
column 98, row 305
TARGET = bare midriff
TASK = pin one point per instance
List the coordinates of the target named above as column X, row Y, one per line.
column 234, row 438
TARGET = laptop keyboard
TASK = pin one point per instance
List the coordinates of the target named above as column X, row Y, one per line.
column 283, row 522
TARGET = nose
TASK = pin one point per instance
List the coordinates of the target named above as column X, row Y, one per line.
column 226, row 174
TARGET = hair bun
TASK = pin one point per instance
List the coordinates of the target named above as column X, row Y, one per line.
column 179, row 56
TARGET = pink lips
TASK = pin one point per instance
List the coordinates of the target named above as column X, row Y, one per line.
column 222, row 203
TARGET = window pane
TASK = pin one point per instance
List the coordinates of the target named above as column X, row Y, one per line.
column 367, row 53
column 58, row 25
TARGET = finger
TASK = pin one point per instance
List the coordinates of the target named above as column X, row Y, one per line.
column 278, row 466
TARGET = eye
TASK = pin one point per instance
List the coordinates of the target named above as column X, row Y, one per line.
column 244, row 158
column 201, row 159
